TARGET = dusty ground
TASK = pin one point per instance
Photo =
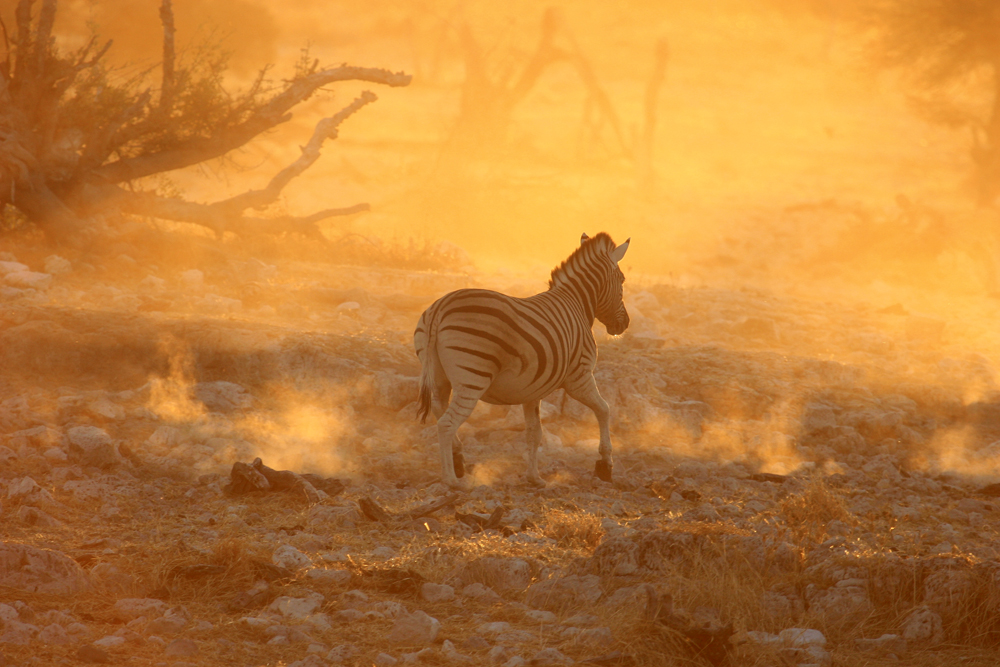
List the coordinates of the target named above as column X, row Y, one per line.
column 782, row 462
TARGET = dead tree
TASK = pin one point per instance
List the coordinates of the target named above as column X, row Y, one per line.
column 488, row 101
column 75, row 139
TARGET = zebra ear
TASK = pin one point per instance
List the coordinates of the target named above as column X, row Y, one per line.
column 583, row 238
column 618, row 253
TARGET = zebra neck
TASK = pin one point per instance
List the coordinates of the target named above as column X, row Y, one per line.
column 578, row 293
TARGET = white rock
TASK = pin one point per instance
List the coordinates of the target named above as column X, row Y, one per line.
column 384, row 660
column 550, row 656
column 193, row 278
column 111, row 641
column 40, row 570
column 801, row 637
column 383, row 553
column 15, row 632
column 87, row 437
column 924, row 626
column 289, row 557
column 7, row 613
column 152, row 284
column 341, row 653
column 493, row 628
column 416, row 629
column 541, row 616
column 132, row 608
column 57, row 265
column 479, row 592
column 297, row 608
column 334, row 577
column 449, row 651
column 29, row 280
column 54, row 634
column 432, row 592
column 12, row 267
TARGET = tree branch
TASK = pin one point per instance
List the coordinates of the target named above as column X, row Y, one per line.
column 212, row 216
column 167, row 86
column 325, row 129
column 5, row 65
column 272, row 113
column 43, row 33
column 544, row 56
column 22, row 44
column 101, row 146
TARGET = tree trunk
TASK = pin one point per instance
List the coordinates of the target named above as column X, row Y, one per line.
column 987, row 157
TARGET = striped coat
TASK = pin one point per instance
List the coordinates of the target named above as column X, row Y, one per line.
column 476, row 344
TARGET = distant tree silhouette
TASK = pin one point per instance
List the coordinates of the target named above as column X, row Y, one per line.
column 78, row 138
column 949, row 50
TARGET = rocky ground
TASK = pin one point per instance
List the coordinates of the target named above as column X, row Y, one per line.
column 798, row 482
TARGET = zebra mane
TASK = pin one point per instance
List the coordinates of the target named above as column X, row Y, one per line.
column 600, row 242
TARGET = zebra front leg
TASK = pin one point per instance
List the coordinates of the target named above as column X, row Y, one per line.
column 587, row 393
column 533, row 435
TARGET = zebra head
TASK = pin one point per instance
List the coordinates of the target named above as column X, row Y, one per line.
column 610, row 308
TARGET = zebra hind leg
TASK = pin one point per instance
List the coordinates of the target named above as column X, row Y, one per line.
column 533, row 434
column 452, row 461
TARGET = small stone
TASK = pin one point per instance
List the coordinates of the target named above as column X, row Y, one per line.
column 384, row 660
column 183, row 648
column 494, row 628
column 432, row 592
column 57, row 265
column 550, row 656
column 193, row 278
column 289, row 557
column 449, row 651
column 416, row 629
column 802, row 637
column 54, row 634
column 131, row 608
column 479, row 592
column 341, row 653
column 111, row 641
column 29, row 280
column 297, row 608
column 923, row 626
column 475, row 643
column 333, row 577
column 92, row 654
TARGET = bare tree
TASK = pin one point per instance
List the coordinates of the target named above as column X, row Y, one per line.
column 943, row 46
column 76, row 138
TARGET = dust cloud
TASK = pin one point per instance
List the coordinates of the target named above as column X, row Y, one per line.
column 798, row 230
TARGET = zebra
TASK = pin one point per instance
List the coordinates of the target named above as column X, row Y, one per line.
column 476, row 344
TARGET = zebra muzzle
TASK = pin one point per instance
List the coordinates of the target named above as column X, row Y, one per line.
column 618, row 327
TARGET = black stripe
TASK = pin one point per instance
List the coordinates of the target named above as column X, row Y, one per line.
column 472, row 386
column 506, row 319
column 476, row 353
column 504, row 345
column 476, row 372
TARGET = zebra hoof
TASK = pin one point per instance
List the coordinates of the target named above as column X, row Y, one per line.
column 459, row 461
column 602, row 470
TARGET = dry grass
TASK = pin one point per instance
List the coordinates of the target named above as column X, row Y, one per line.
column 808, row 514
column 576, row 529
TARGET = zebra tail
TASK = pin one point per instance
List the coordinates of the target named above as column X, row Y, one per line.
column 424, row 401
column 428, row 363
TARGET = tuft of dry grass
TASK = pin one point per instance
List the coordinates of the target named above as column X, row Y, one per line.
column 807, row 514
column 573, row 529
